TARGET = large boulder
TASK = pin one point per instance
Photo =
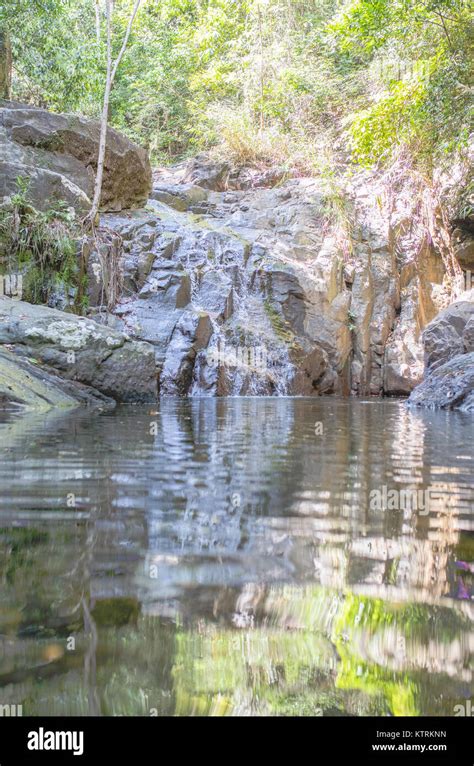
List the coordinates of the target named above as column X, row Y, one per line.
column 444, row 338
column 449, row 360
column 80, row 349
column 58, row 154
column 449, row 386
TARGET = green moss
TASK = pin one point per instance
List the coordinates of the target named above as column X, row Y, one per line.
column 280, row 325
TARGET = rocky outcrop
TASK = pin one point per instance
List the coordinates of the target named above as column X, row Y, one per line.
column 449, row 360
column 450, row 333
column 24, row 384
column 256, row 261
column 251, row 274
column 241, row 281
column 80, row 350
column 57, row 154
column 450, row 386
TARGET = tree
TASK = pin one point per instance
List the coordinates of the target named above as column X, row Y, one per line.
column 5, row 65
column 111, row 71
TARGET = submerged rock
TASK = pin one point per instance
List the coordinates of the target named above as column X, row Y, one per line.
column 80, row 349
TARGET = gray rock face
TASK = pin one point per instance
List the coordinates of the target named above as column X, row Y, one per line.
column 25, row 384
column 58, row 154
column 445, row 337
column 191, row 334
column 448, row 386
column 253, row 270
column 206, row 173
column 81, row 350
column 267, row 274
column 449, row 360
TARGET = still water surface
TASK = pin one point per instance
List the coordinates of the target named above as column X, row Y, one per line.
column 221, row 557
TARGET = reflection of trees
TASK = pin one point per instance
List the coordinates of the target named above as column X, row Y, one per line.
column 315, row 648
column 228, row 501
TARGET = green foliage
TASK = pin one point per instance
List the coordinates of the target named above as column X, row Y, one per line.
column 56, row 61
column 418, row 58
column 43, row 245
column 261, row 80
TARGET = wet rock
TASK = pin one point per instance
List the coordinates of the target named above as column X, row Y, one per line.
column 191, row 334
column 270, row 270
column 81, row 350
column 175, row 284
column 58, row 154
column 312, row 373
column 403, row 358
column 215, row 295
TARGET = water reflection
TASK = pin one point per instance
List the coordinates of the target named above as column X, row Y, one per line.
column 224, row 557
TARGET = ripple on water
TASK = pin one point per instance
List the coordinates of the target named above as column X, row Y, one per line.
column 232, row 561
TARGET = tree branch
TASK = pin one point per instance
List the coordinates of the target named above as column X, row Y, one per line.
column 125, row 39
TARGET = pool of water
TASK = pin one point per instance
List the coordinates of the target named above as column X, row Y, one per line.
column 237, row 556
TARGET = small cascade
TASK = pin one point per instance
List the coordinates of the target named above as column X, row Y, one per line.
column 223, row 284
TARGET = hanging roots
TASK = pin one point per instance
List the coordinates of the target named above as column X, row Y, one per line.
column 107, row 244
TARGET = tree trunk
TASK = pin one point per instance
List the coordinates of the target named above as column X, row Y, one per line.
column 104, row 122
column 5, row 65
column 110, row 76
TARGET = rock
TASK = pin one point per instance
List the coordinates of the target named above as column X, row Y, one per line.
column 81, row 350
column 45, row 187
column 215, row 295
column 403, row 356
column 191, row 334
column 468, row 335
column 449, row 359
column 181, row 197
column 332, row 313
column 447, row 386
column 204, row 172
column 464, row 252
column 311, row 368
column 58, row 154
column 251, row 178
column 24, row 383
column 443, row 338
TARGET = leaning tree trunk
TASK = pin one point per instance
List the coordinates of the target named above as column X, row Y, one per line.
column 5, row 65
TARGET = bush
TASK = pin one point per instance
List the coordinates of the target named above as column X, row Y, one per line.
column 43, row 245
